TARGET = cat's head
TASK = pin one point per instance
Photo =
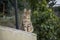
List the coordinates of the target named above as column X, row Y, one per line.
column 27, row 12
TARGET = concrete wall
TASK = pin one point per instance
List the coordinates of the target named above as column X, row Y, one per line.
column 13, row 34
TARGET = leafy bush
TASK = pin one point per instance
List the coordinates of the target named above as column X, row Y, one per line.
column 46, row 23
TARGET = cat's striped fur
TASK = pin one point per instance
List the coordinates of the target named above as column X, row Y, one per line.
column 26, row 19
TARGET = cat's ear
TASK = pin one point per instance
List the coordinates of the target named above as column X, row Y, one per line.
column 29, row 10
column 25, row 10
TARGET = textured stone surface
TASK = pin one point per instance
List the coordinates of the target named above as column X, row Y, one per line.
column 13, row 34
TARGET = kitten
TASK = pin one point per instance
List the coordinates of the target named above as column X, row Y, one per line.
column 26, row 19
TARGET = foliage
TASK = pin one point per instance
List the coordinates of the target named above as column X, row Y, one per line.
column 46, row 23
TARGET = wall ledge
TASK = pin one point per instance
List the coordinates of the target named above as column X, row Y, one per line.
column 7, row 33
